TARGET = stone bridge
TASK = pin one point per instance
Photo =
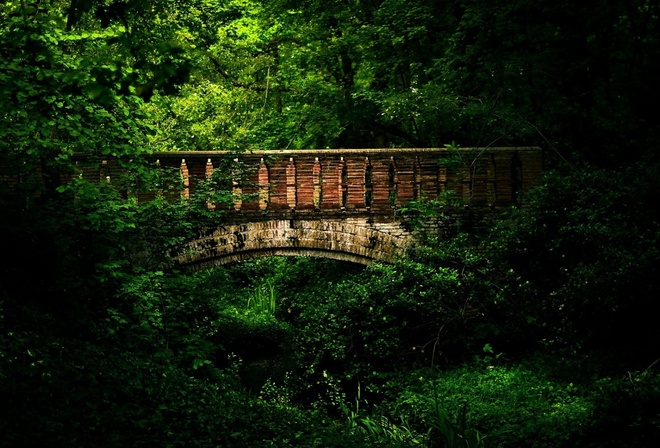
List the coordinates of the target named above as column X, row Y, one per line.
column 346, row 204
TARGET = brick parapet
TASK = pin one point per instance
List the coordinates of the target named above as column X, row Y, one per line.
column 312, row 179
column 337, row 203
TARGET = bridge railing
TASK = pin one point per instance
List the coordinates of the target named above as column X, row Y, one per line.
column 348, row 180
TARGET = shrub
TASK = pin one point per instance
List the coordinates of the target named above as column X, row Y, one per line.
column 509, row 406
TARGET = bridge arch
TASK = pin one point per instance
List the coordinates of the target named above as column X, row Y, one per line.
column 357, row 240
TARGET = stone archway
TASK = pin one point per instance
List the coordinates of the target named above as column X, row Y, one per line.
column 352, row 239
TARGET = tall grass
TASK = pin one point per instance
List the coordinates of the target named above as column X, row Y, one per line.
column 440, row 428
column 263, row 298
column 379, row 430
column 451, row 431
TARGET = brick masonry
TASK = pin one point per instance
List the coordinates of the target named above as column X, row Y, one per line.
column 353, row 239
column 339, row 203
column 333, row 179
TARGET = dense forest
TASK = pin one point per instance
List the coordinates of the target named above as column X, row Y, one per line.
column 540, row 331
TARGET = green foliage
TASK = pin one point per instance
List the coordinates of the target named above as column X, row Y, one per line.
column 625, row 411
column 415, row 312
column 581, row 254
column 496, row 406
column 98, row 331
column 281, row 74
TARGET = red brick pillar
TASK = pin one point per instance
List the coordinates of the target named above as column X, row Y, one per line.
column 316, row 177
column 428, row 176
column 380, row 194
column 442, row 179
column 331, row 183
column 278, row 185
column 307, row 179
column 291, row 185
column 356, row 168
column 405, row 179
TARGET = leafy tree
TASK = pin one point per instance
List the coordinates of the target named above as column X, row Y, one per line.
column 381, row 73
column 582, row 254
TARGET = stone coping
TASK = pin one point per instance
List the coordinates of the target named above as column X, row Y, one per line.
column 348, row 151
